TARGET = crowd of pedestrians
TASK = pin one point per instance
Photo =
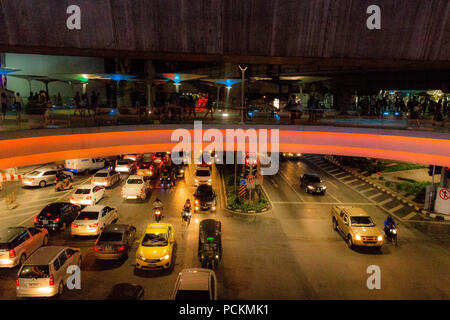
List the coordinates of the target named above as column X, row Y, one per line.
column 179, row 107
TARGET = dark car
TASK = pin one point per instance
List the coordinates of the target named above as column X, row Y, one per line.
column 167, row 178
column 312, row 183
column 115, row 242
column 160, row 158
column 126, row 291
column 205, row 198
column 57, row 216
column 178, row 171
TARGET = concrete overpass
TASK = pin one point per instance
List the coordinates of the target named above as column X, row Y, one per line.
column 20, row 148
column 414, row 33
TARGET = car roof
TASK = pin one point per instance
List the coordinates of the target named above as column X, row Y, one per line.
column 9, row 234
column 115, row 228
column 135, row 176
column 354, row 211
column 97, row 208
column 44, row 255
column 194, row 279
column 85, row 186
column 157, row 227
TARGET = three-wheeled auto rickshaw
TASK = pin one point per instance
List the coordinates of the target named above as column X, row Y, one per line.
column 210, row 243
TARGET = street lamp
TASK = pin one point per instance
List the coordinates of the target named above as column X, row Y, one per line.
column 242, row 96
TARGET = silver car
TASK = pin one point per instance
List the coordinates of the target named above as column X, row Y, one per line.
column 105, row 178
column 195, row 284
column 126, row 165
column 18, row 243
column 42, row 177
column 44, row 274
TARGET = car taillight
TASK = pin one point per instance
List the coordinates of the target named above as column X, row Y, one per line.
column 56, row 220
column 74, row 225
column 52, row 280
column 142, row 191
column 138, row 167
column 12, row 253
column 88, row 198
column 105, row 180
column 35, row 219
column 154, row 157
column 17, row 280
column 121, row 248
column 95, row 225
column 121, row 191
column 96, row 249
column 72, row 198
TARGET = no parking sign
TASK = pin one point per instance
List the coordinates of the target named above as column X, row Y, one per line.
column 442, row 204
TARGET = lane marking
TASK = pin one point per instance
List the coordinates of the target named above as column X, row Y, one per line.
column 362, row 191
column 351, row 181
column 289, row 184
column 360, row 185
column 327, row 203
column 396, row 208
column 385, row 201
column 410, row 215
column 375, row 195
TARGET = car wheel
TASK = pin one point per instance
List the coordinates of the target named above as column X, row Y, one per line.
column 349, row 241
column 42, row 184
column 335, row 227
column 45, row 242
column 60, row 288
column 22, row 260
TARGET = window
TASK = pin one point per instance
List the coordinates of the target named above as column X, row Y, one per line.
column 34, row 231
column 342, row 214
column 345, row 218
column 56, row 264
column 62, row 258
column 105, row 211
column 70, row 253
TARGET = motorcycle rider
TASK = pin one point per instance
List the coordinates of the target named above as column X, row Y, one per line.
column 187, row 208
column 157, row 204
column 63, row 178
column 389, row 224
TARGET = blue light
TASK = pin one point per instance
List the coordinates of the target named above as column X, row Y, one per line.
column 277, row 117
column 386, row 113
column 397, row 113
column 250, row 114
column 177, row 78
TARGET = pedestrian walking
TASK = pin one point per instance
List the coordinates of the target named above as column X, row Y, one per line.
column 18, row 102
column 3, row 101
column 77, row 101
column 94, row 102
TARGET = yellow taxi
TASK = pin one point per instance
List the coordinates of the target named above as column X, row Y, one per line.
column 155, row 247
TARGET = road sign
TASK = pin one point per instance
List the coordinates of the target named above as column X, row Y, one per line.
column 251, row 182
column 243, row 182
column 242, row 191
column 444, row 194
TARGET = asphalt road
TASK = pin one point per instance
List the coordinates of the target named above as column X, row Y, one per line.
column 291, row 252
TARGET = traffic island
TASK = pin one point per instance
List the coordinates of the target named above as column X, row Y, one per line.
column 240, row 201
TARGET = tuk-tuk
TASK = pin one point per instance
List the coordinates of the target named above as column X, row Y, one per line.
column 210, row 242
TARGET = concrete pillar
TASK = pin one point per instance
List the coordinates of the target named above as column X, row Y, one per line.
column 150, row 75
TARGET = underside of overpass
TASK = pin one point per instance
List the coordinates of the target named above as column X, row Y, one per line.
column 41, row 146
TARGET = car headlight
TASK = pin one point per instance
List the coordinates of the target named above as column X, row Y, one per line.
column 394, row 231
column 380, row 238
column 324, row 187
column 209, row 180
column 181, row 171
column 310, row 187
column 358, row 237
column 140, row 257
column 196, row 180
column 165, row 257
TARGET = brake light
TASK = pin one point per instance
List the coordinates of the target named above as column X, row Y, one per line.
column 72, row 198
column 121, row 248
column 52, row 280
column 96, row 249
column 35, row 219
column 17, row 280
column 138, row 167
column 56, row 220
column 154, row 157
column 95, row 225
column 142, row 191
column 88, row 198
column 74, row 225
column 12, row 253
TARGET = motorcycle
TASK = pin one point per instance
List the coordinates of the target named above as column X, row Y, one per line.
column 62, row 185
column 186, row 216
column 157, row 214
column 391, row 235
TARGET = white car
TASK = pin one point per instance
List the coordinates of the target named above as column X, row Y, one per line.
column 195, row 284
column 136, row 187
column 126, row 165
column 87, row 195
column 105, row 178
column 42, row 177
column 92, row 219
column 202, row 176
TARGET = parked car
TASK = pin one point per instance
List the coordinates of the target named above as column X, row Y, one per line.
column 126, row 291
column 202, row 176
column 136, row 187
column 44, row 274
column 312, row 183
column 156, row 247
column 126, row 165
column 115, row 242
column 57, row 216
column 205, row 198
column 84, row 165
column 87, row 195
column 18, row 243
column 356, row 226
column 42, row 177
column 92, row 219
column 195, row 284
column 105, row 178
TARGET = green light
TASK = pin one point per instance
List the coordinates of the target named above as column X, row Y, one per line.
column 210, row 239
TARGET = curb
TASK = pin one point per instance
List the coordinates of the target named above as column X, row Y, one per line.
column 388, row 191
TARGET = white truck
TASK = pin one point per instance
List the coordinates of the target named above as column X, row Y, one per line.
column 84, row 165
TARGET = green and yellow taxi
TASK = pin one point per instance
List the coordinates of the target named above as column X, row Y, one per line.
column 155, row 247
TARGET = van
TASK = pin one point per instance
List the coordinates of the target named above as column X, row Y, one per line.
column 84, row 165
column 44, row 274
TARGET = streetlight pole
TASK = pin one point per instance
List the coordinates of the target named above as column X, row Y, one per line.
column 242, row 96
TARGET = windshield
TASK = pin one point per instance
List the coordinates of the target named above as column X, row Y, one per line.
column 33, row 272
column 160, row 154
column 135, row 181
column 204, row 191
column 313, row 179
column 35, row 173
column 101, row 175
column 110, row 236
column 192, row 295
column 362, row 222
column 155, row 240
column 88, row 215
column 83, row 191
column 50, row 211
column 122, row 163
column 202, row 173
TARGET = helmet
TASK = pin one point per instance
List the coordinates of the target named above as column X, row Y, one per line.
column 188, row 200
